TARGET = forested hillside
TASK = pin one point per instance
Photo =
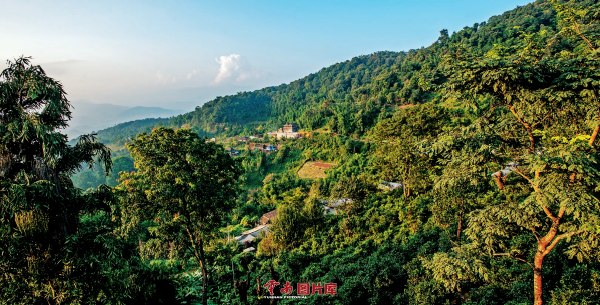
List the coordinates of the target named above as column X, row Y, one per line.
column 466, row 172
column 350, row 96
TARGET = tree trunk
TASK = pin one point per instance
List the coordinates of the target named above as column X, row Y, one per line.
column 408, row 185
column 537, row 278
column 200, row 261
column 594, row 135
column 204, row 274
column 348, row 225
column 459, row 224
column 498, row 178
column 243, row 287
column 545, row 245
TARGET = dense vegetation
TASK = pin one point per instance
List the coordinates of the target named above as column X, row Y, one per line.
column 490, row 133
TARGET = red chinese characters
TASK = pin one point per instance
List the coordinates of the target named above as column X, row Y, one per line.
column 303, row 289
column 287, row 288
column 316, row 287
column 271, row 285
column 331, row 288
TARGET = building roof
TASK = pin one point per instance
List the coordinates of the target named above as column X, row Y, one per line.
column 251, row 234
column 328, row 210
column 270, row 215
column 337, row 203
column 512, row 166
column 389, row 185
column 242, row 239
column 255, row 231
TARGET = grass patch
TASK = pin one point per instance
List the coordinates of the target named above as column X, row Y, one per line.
column 313, row 170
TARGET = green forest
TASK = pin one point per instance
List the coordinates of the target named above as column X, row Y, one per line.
column 466, row 172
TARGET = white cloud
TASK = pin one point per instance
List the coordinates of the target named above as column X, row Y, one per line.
column 191, row 74
column 235, row 69
column 163, row 78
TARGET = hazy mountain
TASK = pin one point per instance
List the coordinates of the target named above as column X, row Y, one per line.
column 349, row 97
column 88, row 117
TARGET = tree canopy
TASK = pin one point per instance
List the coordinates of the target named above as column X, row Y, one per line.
column 184, row 185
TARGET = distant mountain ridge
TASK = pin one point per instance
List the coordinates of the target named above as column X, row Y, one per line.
column 88, row 117
column 349, row 97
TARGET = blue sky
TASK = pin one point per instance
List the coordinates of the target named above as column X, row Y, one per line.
column 180, row 54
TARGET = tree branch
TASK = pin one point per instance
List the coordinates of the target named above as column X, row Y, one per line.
column 548, row 213
column 544, row 207
column 594, row 135
column 535, row 234
column 527, row 127
column 561, row 212
column 510, row 255
column 558, row 238
column 523, row 175
column 597, row 129
column 576, row 27
column 533, row 125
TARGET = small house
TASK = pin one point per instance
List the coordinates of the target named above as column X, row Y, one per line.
column 232, row 152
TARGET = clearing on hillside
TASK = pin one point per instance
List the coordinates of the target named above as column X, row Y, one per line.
column 312, row 170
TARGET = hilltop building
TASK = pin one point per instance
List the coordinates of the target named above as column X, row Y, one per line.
column 289, row 130
column 291, row 127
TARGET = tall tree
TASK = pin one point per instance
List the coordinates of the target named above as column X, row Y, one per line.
column 184, row 185
column 534, row 137
column 39, row 207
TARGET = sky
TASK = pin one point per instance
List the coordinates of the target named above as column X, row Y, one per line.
column 181, row 54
